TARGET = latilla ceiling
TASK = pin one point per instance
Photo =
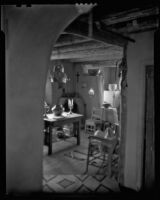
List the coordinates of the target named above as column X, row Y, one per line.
column 98, row 37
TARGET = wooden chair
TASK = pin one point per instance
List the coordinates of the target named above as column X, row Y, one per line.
column 101, row 148
column 95, row 122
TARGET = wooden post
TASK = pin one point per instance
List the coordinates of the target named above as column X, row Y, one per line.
column 123, row 68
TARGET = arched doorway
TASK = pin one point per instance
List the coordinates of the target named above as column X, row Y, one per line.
column 29, row 32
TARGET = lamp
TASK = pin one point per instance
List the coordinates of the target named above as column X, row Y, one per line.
column 112, row 97
column 110, row 115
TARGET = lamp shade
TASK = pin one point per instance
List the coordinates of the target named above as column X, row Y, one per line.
column 112, row 97
column 110, row 115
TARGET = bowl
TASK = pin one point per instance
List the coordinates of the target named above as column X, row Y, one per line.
column 57, row 110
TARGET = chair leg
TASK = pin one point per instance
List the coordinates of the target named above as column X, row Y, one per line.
column 101, row 166
column 88, row 156
column 109, row 167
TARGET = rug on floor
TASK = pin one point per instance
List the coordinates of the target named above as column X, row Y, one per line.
column 80, row 184
column 96, row 161
column 63, row 170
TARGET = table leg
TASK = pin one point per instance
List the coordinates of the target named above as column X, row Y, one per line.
column 74, row 130
column 50, row 141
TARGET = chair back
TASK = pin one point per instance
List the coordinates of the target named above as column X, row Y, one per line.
column 96, row 114
column 111, row 128
column 110, row 137
column 109, row 146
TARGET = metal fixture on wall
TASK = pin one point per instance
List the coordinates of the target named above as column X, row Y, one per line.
column 58, row 75
column 91, row 92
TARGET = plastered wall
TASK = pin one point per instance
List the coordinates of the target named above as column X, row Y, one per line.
column 95, row 82
column 52, row 92
column 30, row 34
column 139, row 54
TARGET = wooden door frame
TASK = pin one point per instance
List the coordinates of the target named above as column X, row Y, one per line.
column 156, row 102
column 148, row 185
column 123, row 116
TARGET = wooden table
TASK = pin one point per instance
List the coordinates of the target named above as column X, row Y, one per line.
column 58, row 121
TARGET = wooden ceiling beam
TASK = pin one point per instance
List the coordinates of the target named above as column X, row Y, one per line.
column 138, row 27
column 110, row 37
column 85, row 46
column 96, row 59
column 130, row 15
column 76, row 41
column 104, row 63
column 86, row 53
column 70, row 39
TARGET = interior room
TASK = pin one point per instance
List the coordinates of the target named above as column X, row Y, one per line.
column 91, row 82
column 80, row 98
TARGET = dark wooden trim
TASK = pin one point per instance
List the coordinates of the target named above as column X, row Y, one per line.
column 148, row 180
column 156, row 101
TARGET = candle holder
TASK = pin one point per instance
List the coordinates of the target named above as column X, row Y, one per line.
column 70, row 105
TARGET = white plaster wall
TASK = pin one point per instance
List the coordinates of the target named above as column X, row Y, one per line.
column 139, row 55
column 91, row 82
column 31, row 34
column 94, row 82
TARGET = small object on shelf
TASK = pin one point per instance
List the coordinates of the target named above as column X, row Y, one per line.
column 68, row 129
column 93, row 72
column 106, row 105
column 60, row 134
column 112, row 87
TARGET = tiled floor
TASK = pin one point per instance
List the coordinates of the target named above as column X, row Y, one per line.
column 64, row 174
column 80, row 184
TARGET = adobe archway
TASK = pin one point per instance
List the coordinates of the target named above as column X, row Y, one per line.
column 30, row 34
